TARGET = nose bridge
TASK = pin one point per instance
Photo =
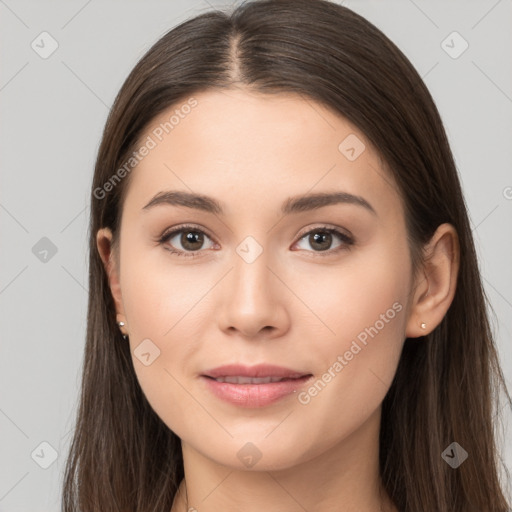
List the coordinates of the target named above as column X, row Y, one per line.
column 251, row 274
column 252, row 299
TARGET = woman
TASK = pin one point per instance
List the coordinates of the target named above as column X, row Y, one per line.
column 285, row 307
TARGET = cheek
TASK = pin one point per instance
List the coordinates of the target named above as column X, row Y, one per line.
column 158, row 293
column 162, row 303
column 372, row 316
column 365, row 308
column 367, row 289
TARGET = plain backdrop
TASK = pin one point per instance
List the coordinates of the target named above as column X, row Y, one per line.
column 53, row 109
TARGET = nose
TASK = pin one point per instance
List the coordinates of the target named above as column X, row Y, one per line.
column 253, row 300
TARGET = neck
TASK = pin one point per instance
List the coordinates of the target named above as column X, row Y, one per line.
column 345, row 478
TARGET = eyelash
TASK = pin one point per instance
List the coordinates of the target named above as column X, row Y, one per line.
column 347, row 240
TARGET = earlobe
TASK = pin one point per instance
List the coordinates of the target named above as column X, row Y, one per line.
column 436, row 285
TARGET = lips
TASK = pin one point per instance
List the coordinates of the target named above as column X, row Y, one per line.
column 254, row 386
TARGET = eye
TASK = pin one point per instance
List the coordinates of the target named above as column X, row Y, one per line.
column 321, row 239
column 190, row 238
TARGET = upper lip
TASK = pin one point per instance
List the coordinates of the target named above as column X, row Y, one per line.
column 259, row 370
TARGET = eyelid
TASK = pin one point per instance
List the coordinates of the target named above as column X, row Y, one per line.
column 325, row 227
column 182, row 227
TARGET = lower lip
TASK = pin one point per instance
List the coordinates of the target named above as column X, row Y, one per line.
column 254, row 395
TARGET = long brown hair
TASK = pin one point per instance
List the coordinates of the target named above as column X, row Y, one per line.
column 122, row 456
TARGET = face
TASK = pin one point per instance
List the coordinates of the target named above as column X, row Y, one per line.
column 262, row 275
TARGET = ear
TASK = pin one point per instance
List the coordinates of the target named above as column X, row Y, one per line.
column 436, row 283
column 105, row 249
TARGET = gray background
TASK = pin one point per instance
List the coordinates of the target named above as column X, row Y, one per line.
column 53, row 111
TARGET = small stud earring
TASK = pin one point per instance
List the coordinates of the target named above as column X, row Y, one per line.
column 122, row 324
column 423, row 325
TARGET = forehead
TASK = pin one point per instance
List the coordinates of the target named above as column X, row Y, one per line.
column 251, row 148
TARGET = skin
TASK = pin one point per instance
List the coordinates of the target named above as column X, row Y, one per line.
column 293, row 306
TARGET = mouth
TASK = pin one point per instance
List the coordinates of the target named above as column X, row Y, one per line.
column 255, row 386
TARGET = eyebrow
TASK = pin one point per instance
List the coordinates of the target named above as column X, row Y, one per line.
column 295, row 204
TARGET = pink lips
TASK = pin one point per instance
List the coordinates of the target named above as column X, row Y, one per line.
column 249, row 386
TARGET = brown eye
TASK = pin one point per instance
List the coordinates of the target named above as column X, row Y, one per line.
column 321, row 240
column 185, row 241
